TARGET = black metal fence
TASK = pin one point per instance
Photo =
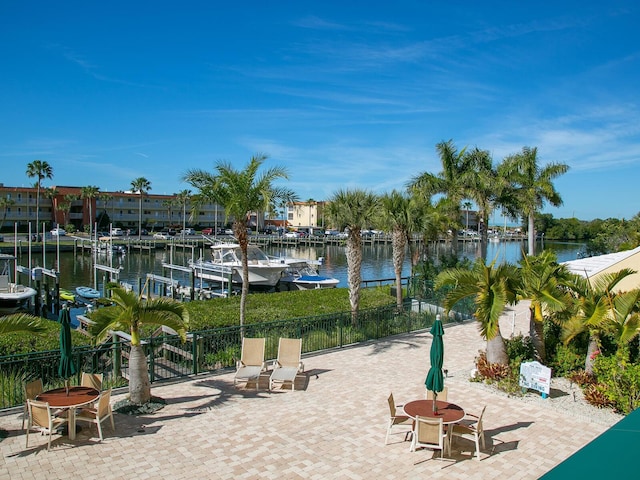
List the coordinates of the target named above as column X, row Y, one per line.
column 211, row 350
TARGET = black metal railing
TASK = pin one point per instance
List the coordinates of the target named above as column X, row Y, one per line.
column 216, row 349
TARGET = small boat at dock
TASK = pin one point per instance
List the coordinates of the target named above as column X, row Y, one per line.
column 226, row 265
column 13, row 296
column 302, row 276
column 87, row 292
column 67, row 296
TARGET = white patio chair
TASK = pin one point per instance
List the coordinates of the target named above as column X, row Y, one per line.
column 397, row 420
column 99, row 414
column 41, row 417
column 429, row 433
column 471, row 429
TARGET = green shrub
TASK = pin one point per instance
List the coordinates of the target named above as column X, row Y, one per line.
column 567, row 360
column 619, row 380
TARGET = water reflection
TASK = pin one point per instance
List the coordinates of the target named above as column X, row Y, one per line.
column 78, row 269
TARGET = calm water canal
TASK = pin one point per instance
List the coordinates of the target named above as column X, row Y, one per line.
column 77, row 269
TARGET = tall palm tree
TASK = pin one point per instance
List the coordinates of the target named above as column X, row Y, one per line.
column 140, row 185
column 89, row 193
column 5, row 204
column 105, row 198
column 450, row 182
column 131, row 313
column 353, row 210
column 310, row 203
column 65, row 206
column 543, row 281
column 396, row 215
column 22, row 322
column 492, row 288
column 531, row 185
column 240, row 192
column 39, row 169
column 51, row 194
column 596, row 302
column 182, row 198
column 481, row 186
column 169, row 204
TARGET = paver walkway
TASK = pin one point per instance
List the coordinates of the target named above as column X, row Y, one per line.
column 334, row 427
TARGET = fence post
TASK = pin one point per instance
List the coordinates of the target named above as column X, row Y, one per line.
column 117, row 358
column 194, row 352
column 152, row 363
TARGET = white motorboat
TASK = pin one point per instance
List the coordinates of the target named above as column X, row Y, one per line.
column 302, row 276
column 13, row 296
column 226, row 264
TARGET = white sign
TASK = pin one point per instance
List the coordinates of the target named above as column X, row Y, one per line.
column 535, row 376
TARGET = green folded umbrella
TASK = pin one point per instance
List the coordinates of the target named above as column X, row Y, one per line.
column 435, row 377
column 67, row 368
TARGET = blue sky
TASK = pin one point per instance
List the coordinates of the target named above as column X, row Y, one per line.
column 342, row 94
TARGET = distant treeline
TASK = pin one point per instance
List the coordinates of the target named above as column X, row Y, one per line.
column 600, row 236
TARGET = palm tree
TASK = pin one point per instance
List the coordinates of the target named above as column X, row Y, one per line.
column 51, row 194
column 131, row 313
column 450, row 182
column 40, row 169
column 182, row 198
column 22, row 322
column 531, row 185
column 240, row 192
column 492, row 288
column 89, row 193
column 396, row 214
column 65, row 206
column 481, row 186
column 169, row 204
column 595, row 311
column 310, row 203
column 5, row 204
column 105, row 198
column 543, row 281
column 467, row 206
column 140, row 185
column 353, row 210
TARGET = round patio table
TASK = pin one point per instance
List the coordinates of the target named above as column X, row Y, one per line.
column 449, row 412
column 78, row 397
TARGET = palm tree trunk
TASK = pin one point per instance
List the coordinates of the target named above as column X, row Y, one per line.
column 243, row 241
column 536, row 332
column 594, row 346
column 531, row 235
column 496, row 350
column 399, row 243
column 139, row 385
column 354, row 278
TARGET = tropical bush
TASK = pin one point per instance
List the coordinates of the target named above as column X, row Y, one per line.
column 618, row 380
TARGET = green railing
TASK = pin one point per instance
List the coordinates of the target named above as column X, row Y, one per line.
column 211, row 350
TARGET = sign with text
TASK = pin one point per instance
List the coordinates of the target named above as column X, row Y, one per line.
column 535, row 376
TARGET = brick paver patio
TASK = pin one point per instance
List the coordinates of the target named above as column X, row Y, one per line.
column 333, row 427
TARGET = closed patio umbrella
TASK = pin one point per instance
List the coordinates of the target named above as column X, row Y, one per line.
column 435, row 377
column 66, row 369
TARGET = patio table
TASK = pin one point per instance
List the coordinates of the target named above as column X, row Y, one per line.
column 78, row 397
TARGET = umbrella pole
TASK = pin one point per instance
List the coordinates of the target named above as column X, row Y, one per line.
column 435, row 399
column 66, row 385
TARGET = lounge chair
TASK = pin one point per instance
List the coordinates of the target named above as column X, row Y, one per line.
column 288, row 363
column 41, row 416
column 98, row 414
column 251, row 363
column 395, row 419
